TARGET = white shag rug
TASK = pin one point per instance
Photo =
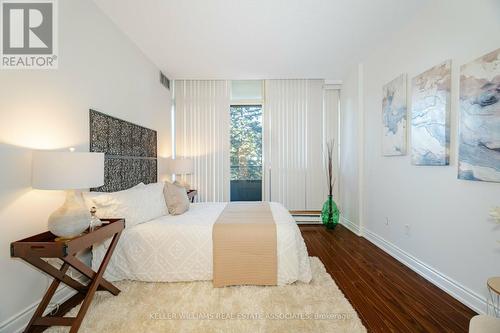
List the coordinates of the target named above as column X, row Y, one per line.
column 318, row 306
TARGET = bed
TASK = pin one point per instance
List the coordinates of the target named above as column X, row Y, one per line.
column 179, row 248
column 172, row 248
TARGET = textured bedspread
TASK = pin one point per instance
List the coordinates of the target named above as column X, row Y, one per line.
column 244, row 245
column 179, row 248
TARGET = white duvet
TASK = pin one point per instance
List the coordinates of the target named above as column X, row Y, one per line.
column 179, row 248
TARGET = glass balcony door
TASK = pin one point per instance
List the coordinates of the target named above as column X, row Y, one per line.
column 246, row 152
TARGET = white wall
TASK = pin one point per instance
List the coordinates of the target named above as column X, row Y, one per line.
column 451, row 238
column 98, row 68
column 350, row 143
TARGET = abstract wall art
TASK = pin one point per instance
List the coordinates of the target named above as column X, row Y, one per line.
column 479, row 138
column 394, row 117
column 430, row 116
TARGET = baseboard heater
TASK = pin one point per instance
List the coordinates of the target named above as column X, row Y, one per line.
column 306, row 216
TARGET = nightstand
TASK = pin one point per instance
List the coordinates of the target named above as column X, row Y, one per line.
column 191, row 194
column 46, row 245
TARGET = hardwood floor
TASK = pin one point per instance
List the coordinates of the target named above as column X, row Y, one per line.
column 388, row 296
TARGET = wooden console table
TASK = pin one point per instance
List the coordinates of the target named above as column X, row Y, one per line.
column 45, row 245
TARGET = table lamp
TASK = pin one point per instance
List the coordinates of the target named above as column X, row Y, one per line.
column 181, row 166
column 69, row 171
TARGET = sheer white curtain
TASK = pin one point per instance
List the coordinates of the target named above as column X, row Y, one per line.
column 202, row 126
column 299, row 117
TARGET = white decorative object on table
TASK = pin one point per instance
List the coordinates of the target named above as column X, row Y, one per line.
column 68, row 171
column 94, row 220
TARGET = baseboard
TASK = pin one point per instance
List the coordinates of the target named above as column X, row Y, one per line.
column 17, row 323
column 344, row 221
column 463, row 294
column 350, row 225
column 306, row 217
column 308, row 222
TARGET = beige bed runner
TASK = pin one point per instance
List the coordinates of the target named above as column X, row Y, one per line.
column 244, row 246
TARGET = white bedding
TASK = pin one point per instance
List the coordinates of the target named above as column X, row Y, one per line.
column 179, row 248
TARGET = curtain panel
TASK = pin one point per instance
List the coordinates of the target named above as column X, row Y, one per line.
column 202, row 126
column 299, row 117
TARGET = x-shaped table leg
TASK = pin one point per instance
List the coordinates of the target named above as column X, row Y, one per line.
column 96, row 282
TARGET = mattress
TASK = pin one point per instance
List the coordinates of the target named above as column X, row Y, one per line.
column 179, row 248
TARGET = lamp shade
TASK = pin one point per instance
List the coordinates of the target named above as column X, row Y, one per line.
column 67, row 170
column 180, row 166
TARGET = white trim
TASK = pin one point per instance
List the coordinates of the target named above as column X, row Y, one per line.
column 17, row 323
column 332, row 87
column 308, row 222
column 461, row 293
column 244, row 102
column 307, row 219
column 333, row 82
column 350, row 225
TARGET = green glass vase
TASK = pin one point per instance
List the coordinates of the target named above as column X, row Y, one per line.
column 330, row 213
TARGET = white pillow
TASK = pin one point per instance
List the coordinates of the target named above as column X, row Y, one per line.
column 89, row 196
column 136, row 205
column 176, row 198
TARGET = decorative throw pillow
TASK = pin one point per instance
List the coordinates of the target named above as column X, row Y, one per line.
column 176, row 198
column 136, row 205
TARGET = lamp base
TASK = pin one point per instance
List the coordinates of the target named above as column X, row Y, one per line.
column 71, row 219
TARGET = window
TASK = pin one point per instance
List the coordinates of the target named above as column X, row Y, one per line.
column 246, row 152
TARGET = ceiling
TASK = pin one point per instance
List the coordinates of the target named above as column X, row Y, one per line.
column 245, row 39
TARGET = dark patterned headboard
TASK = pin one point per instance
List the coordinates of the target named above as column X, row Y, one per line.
column 130, row 152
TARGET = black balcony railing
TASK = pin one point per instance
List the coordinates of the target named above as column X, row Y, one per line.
column 246, row 183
